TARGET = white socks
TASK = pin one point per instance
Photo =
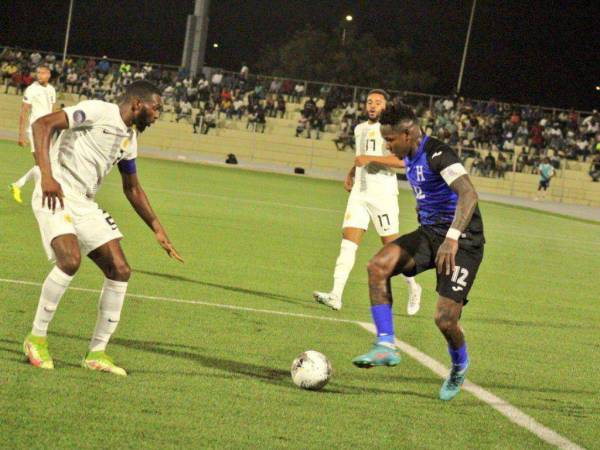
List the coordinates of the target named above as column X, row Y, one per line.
column 34, row 173
column 109, row 307
column 54, row 287
column 109, row 313
column 410, row 281
column 343, row 267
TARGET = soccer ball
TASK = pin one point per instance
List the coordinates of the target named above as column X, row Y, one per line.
column 311, row 370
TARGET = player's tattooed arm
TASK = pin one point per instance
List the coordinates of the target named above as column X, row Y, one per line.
column 139, row 200
column 466, row 204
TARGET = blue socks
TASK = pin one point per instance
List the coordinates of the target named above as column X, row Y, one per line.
column 382, row 316
column 459, row 357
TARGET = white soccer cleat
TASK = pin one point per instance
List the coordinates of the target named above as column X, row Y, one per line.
column 414, row 299
column 328, row 299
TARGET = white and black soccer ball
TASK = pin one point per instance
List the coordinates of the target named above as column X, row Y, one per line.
column 311, row 370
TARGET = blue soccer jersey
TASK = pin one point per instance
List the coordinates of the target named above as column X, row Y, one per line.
column 430, row 173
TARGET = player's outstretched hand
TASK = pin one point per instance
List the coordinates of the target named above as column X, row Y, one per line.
column 444, row 260
column 22, row 141
column 52, row 191
column 164, row 242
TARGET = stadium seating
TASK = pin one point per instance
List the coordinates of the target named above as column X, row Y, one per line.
column 278, row 147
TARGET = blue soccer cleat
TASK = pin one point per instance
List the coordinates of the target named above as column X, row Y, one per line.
column 451, row 386
column 379, row 355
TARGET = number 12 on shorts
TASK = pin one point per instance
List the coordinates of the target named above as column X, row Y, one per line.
column 459, row 276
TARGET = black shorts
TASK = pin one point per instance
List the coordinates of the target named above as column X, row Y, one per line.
column 544, row 184
column 422, row 245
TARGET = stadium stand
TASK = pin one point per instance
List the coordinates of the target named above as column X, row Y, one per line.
column 292, row 123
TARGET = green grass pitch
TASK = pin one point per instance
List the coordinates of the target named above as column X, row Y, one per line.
column 206, row 377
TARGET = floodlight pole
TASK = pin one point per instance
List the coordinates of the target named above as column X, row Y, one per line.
column 196, row 35
column 67, row 33
column 464, row 56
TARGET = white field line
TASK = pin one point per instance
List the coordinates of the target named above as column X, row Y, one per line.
column 504, row 230
column 511, row 412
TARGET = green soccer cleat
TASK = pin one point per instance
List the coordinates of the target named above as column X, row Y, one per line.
column 451, row 386
column 380, row 355
column 36, row 350
column 102, row 362
column 16, row 192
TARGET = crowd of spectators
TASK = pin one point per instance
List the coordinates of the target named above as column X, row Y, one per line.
column 502, row 128
column 476, row 128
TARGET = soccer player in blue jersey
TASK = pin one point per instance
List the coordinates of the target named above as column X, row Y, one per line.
column 449, row 239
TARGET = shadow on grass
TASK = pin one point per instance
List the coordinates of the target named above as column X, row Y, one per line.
column 531, row 324
column 236, row 369
column 506, row 322
column 237, row 290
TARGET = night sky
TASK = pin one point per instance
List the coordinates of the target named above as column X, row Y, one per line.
column 534, row 52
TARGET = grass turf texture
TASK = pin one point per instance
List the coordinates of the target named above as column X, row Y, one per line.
column 208, row 377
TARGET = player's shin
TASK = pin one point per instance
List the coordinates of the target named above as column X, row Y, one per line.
column 343, row 266
column 109, row 313
column 54, row 287
column 384, row 323
column 459, row 356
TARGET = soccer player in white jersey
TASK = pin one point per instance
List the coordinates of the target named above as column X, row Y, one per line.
column 97, row 136
column 38, row 100
column 373, row 197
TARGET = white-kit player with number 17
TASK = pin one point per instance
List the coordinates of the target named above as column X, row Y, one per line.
column 95, row 137
column 38, row 100
column 373, row 198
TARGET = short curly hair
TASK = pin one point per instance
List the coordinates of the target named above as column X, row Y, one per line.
column 395, row 114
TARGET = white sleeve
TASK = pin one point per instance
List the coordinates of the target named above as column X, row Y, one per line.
column 85, row 113
column 28, row 95
column 453, row 172
column 132, row 150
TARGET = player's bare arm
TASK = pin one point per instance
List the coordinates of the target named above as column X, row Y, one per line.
column 390, row 161
column 23, row 117
column 465, row 206
column 138, row 199
column 42, row 130
column 349, row 181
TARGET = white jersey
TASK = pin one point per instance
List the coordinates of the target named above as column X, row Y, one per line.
column 96, row 140
column 41, row 98
column 373, row 178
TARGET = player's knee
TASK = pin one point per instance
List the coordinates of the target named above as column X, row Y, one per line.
column 444, row 322
column 69, row 264
column 120, row 271
column 377, row 269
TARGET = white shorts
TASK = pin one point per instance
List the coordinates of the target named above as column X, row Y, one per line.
column 81, row 217
column 381, row 209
